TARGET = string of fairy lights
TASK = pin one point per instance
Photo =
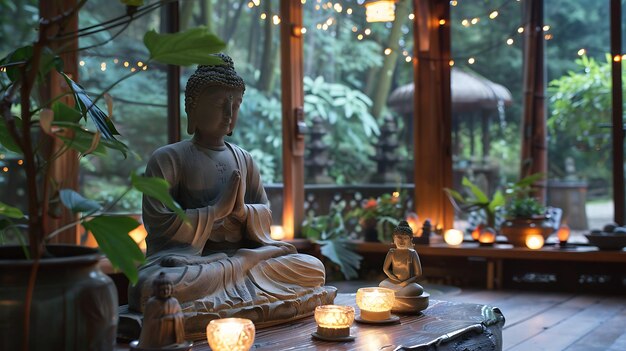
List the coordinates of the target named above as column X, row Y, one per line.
column 360, row 34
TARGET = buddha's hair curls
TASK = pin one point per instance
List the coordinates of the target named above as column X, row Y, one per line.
column 223, row 75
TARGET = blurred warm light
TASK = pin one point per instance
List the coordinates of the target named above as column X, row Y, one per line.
column 277, row 232
column 487, row 236
column 412, row 219
column 582, row 52
column 534, row 241
column 493, row 15
column 375, row 303
column 408, row 59
column 451, row 63
column 276, row 19
column 380, row 11
column 453, row 3
column 520, row 30
column 367, row 31
column 442, row 22
column 453, row 237
column 360, row 36
column 230, row 334
column 82, row 63
column 476, row 232
column 411, row 16
column 471, row 60
column 563, row 233
column 509, row 41
column 349, row 11
column 334, row 320
column 465, row 23
column 617, row 58
column 263, row 16
column 338, row 7
column 139, row 235
column 126, row 64
column 475, row 20
column 20, row 162
column 546, row 28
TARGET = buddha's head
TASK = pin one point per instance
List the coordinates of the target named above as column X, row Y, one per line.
column 212, row 99
column 162, row 286
column 403, row 236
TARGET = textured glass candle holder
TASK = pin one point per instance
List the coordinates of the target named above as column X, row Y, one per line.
column 230, row 334
column 333, row 322
column 375, row 304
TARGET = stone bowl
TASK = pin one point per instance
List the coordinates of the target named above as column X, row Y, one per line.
column 607, row 241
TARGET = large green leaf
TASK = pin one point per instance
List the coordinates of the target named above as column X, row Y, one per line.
column 6, row 139
column 157, row 188
column 341, row 253
column 497, row 201
column 10, row 211
column 77, row 203
column 111, row 233
column 64, row 113
column 192, row 46
column 478, row 194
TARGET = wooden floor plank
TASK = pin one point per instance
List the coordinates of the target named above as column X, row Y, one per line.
column 608, row 335
column 515, row 333
column 569, row 330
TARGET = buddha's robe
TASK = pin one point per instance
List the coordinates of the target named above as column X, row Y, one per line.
column 162, row 324
column 221, row 265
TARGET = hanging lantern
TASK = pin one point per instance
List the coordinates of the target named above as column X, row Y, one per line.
column 380, row 11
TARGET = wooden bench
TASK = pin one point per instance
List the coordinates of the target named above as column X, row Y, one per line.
column 584, row 263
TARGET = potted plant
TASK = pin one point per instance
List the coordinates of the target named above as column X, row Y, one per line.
column 378, row 216
column 329, row 232
column 477, row 200
column 524, row 213
column 55, row 297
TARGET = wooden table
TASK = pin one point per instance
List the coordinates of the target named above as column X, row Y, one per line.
column 449, row 325
column 497, row 254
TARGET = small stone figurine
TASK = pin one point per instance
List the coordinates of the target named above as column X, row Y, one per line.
column 163, row 321
column 402, row 267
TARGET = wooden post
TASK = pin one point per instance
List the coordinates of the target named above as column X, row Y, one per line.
column 291, row 64
column 172, row 25
column 534, row 143
column 64, row 170
column 617, row 112
column 432, row 127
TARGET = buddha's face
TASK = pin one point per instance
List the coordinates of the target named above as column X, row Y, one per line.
column 165, row 291
column 217, row 111
column 402, row 241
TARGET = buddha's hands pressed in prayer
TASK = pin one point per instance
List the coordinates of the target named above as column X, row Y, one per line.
column 239, row 209
column 226, row 202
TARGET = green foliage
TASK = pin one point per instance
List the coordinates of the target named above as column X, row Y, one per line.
column 330, row 233
column 524, row 207
column 75, row 202
column 111, row 233
column 580, row 114
column 9, row 211
column 159, row 189
column 384, row 212
column 476, row 200
column 184, row 48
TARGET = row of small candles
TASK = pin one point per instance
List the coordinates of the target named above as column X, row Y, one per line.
column 534, row 241
column 333, row 321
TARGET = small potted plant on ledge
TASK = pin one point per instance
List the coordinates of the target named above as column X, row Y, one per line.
column 525, row 214
column 377, row 217
column 54, row 297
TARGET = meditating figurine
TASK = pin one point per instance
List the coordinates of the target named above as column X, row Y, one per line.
column 402, row 267
column 163, row 320
column 223, row 262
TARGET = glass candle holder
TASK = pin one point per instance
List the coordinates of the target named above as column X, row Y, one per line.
column 487, row 237
column 375, row 303
column 534, row 241
column 230, row 334
column 334, row 321
column 563, row 234
column 453, row 237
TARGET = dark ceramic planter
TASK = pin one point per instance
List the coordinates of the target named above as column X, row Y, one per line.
column 516, row 229
column 74, row 304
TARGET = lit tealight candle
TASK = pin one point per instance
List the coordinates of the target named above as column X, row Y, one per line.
column 375, row 303
column 476, row 232
column 453, row 237
column 277, row 232
column 487, row 236
column 230, row 334
column 563, row 234
column 534, row 241
column 333, row 322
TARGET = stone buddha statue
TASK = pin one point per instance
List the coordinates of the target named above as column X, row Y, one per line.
column 223, row 262
column 403, row 268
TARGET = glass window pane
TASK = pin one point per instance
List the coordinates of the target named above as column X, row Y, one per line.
column 358, row 85
column 579, row 112
column 139, row 100
column 486, row 79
